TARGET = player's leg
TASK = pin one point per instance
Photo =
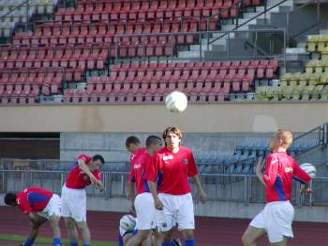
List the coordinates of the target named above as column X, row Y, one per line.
column 145, row 211
column 37, row 222
column 141, row 236
column 68, row 204
column 282, row 243
column 186, row 218
column 256, row 228
column 72, row 232
column 166, row 218
column 54, row 224
column 280, row 223
column 167, row 238
column 85, row 232
column 53, row 213
column 251, row 235
column 157, row 238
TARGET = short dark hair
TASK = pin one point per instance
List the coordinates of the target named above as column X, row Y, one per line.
column 98, row 158
column 10, row 198
column 131, row 140
column 152, row 139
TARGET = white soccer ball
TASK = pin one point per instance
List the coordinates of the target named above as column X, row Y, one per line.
column 309, row 169
column 176, row 101
column 127, row 224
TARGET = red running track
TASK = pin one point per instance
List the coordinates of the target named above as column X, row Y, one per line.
column 209, row 232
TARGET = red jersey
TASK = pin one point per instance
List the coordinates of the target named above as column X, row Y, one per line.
column 280, row 169
column 33, row 199
column 172, row 170
column 139, row 171
column 133, row 158
column 76, row 179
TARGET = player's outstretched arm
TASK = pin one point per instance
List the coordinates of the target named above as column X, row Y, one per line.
column 201, row 195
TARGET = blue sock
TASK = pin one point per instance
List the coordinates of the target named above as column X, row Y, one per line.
column 120, row 241
column 74, row 243
column 28, row 242
column 189, row 242
column 56, row 241
column 167, row 244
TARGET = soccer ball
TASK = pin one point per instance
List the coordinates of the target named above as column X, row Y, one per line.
column 176, row 101
column 127, row 224
column 309, row 169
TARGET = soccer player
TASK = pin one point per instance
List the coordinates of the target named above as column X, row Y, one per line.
column 277, row 216
column 144, row 202
column 40, row 205
column 132, row 144
column 86, row 171
column 172, row 166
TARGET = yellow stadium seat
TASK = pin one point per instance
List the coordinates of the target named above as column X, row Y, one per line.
column 324, row 53
column 323, row 42
column 312, row 42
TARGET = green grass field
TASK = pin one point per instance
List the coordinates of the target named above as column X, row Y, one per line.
column 46, row 241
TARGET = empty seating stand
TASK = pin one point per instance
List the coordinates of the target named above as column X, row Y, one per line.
column 16, row 11
column 203, row 82
column 87, row 36
column 311, row 85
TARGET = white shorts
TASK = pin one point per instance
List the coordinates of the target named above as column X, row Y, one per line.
column 145, row 209
column 178, row 210
column 276, row 219
column 53, row 207
column 74, row 204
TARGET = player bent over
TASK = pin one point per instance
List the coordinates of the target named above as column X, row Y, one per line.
column 172, row 167
column 86, row 171
column 40, row 205
column 277, row 216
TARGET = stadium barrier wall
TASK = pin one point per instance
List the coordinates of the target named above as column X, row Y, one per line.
column 204, row 118
column 236, row 196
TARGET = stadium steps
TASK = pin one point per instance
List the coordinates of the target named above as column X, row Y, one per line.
column 218, row 48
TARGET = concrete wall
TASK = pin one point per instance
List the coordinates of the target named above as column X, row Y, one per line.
column 226, row 117
column 112, row 145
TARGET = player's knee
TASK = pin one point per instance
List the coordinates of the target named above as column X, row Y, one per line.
column 143, row 235
column 70, row 224
column 246, row 240
column 82, row 225
column 188, row 234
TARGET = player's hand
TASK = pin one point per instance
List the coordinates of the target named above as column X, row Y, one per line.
column 99, row 185
column 158, row 204
column 202, row 197
column 305, row 189
column 259, row 167
column 130, row 196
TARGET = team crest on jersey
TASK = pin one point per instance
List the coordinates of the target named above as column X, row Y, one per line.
column 288, row 169
column 137, row 166
column 167, row 157
column 185, row 161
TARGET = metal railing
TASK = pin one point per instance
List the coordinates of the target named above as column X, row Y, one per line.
column 219, row 187
column 256, row 44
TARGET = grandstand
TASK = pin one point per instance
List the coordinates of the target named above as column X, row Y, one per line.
column 82, row 75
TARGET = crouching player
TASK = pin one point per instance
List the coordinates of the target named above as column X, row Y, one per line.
column 40, row 205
